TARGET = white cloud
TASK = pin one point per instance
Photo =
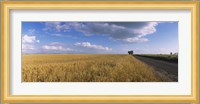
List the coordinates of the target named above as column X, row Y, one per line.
column 93, row 46
column 56, row 26
column 47, row 47
column 136, row 39
column 55, row 43
column 125, row 31
column 28, row 43
column 31, row 31
column 61, row 35
column 29, row 39
column 27, row 47
column 55, row 46
column 146, row 29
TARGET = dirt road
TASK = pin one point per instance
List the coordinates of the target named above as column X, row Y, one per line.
column 161, row 66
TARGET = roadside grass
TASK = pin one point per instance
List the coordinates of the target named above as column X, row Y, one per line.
column 165, row 57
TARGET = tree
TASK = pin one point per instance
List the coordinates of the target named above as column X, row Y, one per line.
column 130, row 52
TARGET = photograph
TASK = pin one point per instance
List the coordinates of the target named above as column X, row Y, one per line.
column 91, row 51
column 97, row 52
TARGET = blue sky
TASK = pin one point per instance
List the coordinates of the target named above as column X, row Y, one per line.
column 100, row 37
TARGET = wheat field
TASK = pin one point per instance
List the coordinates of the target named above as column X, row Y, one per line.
column 87, row 68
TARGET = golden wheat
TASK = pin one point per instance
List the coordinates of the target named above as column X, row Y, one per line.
column 87, row 68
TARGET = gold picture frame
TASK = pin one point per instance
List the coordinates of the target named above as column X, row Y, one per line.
column 8, row 6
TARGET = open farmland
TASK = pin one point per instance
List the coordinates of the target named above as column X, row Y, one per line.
column 87, row 68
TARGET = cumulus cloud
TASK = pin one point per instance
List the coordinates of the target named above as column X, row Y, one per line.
column 59, row 35
column 56, row 26
column 55, row 43
column 27, row 47
column 136, row 39
column 93, row 46
column 29, row 39
column 62, row 35
column 31, row 31
column 28, row 42
column 55, row 46
column 123, row 31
